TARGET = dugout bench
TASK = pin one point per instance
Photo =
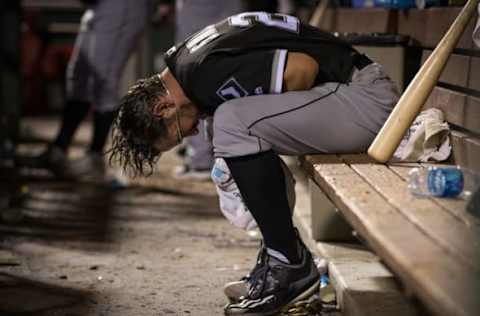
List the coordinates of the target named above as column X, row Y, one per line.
column 432, row 245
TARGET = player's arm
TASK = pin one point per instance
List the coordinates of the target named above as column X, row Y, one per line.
column 255, row 72
column 300, row 72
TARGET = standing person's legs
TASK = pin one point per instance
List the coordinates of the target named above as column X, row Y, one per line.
column 77, row 105
column 116, row 28
column 191, row 16
column 78, row 75
column 248, row 132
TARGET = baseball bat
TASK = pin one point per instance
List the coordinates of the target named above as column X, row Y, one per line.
column 319, row 12
column 417, row 92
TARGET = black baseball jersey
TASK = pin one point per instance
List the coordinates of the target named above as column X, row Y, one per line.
column 246, row 54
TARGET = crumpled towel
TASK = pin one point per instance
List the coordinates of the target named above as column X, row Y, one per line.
column 231, row 202
column 427, row 138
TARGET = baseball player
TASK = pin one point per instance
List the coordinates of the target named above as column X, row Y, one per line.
column 273, row 86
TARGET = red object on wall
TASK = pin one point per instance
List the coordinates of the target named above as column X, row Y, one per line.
column 41, row 64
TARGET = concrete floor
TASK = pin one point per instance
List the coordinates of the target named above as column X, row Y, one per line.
column 158, row 247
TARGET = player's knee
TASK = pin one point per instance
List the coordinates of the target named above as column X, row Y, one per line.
column 230, row 135
column 227, row 119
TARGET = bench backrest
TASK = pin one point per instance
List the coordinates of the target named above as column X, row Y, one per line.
column 457, row 93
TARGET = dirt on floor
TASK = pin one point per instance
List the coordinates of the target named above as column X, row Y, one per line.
column 158, row 247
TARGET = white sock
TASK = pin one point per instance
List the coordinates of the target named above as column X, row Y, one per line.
column 278, row 255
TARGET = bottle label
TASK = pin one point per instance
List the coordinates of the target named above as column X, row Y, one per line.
column 221, row 175
column 445, row 182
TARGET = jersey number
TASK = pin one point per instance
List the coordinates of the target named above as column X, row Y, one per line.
column 282, row 21
column 208, row 34
column 203, row 37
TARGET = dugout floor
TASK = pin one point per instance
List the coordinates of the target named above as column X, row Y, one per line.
column 158, row 247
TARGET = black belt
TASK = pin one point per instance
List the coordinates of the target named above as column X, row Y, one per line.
column 361, row 61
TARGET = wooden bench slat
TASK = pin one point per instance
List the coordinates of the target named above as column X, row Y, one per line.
column 460, row 70
column 454, row 206
column 456, row 69
column 427, row 27
column 446, row 285
column 474, row 80
column 433, row 220
column 473, row 153
column 459, row 109
column 466, row 151
column 348, row 20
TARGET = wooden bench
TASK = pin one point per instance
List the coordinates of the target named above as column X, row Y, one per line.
column 432, row 245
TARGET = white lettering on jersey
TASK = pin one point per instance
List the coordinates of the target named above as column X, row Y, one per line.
column 209, row 33
column 282, row 21
column 203, row 37
column 231, row 89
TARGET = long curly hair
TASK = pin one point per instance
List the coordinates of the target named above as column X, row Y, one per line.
column 135, row 128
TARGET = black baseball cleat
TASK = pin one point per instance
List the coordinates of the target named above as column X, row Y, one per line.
column 275, row 285
column 237, row 290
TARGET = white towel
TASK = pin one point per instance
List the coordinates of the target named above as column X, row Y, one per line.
column 231, row 202
column 427, row 139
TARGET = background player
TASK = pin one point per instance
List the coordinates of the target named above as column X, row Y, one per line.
column 109, row 32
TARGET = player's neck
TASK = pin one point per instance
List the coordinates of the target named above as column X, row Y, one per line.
column 174, row 88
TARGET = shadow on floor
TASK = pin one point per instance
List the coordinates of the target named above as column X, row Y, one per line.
column 83, row 212
column 64, row 211
column 20, row 296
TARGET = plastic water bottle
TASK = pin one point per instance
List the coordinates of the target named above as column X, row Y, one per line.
column 395, row 4
column 436, row 181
